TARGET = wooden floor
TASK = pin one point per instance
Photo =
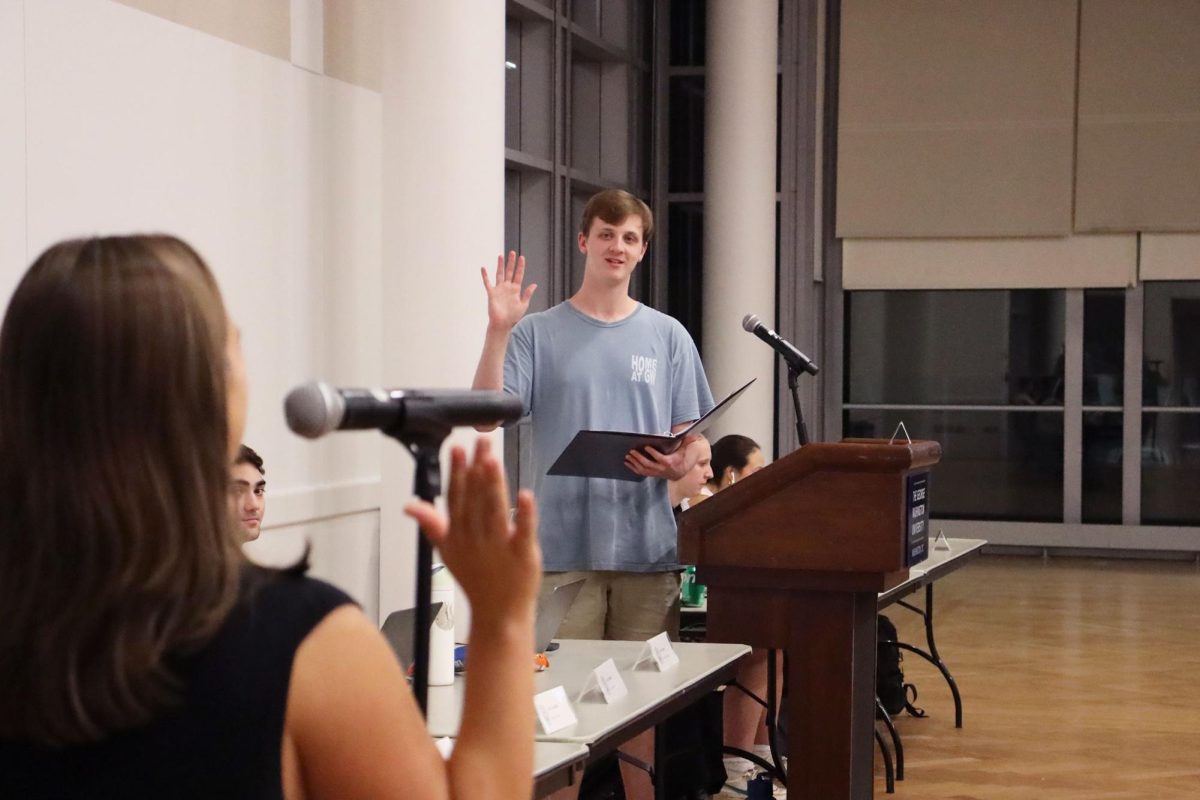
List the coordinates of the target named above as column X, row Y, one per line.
column 1080, row 679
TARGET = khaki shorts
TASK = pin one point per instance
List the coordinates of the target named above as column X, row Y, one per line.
column 620, row 605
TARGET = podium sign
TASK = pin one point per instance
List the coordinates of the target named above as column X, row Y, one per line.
column 917, row 541
column 794, row 557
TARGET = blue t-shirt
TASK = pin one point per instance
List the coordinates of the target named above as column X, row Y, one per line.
column 573, row 372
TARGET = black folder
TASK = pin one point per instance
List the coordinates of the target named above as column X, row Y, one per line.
column 601, row 454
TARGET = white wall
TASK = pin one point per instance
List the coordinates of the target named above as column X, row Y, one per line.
column 443, row 167
column 12, row 145
column 114, row 120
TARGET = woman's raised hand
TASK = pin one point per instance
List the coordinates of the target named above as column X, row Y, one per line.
column 497, row 562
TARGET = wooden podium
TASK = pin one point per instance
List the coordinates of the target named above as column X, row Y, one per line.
column 794, row 557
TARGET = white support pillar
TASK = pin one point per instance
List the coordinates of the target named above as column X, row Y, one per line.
column 739, row 208
column 443, row 218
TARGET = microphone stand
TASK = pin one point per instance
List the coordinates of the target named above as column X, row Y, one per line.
column 422, row 434
column 794, row 386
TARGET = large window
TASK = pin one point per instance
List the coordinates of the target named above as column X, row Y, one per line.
column 1103, row 401
column 1171, row 403
column 979, row 371
column 1027, row 393
column 685, row 165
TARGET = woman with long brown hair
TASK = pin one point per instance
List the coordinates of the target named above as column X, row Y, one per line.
column 140, row 654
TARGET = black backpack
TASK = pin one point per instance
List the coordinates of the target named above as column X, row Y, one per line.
column 890, row 688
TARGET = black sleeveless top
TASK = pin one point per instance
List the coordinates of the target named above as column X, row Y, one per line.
column 224, row 740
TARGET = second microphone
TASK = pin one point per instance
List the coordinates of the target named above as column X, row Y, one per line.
column 794, row 358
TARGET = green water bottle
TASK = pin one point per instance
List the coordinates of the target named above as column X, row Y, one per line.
column 690, row 592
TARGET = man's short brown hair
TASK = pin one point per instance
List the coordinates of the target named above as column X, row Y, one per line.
column 613, row 206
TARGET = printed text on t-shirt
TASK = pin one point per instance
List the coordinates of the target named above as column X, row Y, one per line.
column 645, row 369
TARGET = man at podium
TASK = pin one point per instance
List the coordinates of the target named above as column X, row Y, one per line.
column 601, row 361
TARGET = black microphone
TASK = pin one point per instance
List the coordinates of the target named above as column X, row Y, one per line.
column 794, row 358
column 316, row 408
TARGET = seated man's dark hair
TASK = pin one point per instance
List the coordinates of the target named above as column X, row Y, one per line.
column 246, row 455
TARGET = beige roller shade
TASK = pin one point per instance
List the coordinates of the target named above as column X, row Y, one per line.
column 1139, row 116
column 1170, row 257
column 263, row 25
column 956, row 118
column 354, row 42
column 1050, row 263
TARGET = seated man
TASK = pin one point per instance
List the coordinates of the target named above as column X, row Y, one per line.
column 248, row 492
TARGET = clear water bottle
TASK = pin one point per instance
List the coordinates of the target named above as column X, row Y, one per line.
column 441, row 634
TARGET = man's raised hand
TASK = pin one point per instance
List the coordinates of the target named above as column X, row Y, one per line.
column 507, row 301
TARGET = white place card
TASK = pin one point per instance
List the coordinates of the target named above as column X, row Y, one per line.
column 941, row 543
column 658, row 648
column 607, row 680
column 554, row 710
